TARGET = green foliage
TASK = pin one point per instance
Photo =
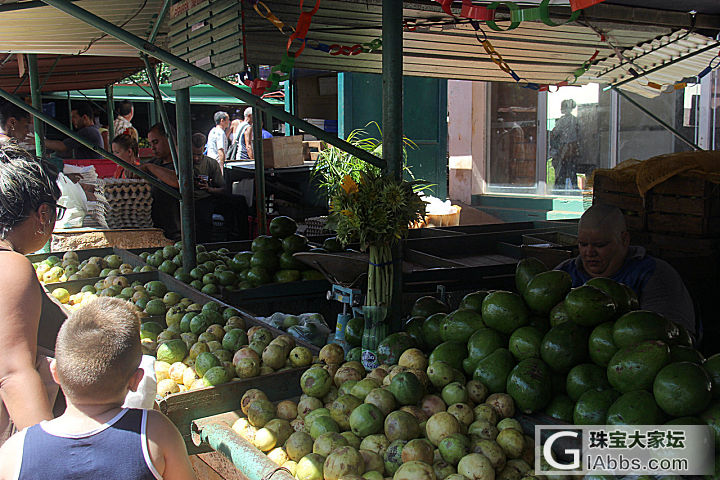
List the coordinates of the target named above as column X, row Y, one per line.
column 162, row 71
column 375, row 210
column 333, row 164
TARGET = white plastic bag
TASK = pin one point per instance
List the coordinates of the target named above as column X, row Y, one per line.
column 73, row 198
column 144, row 396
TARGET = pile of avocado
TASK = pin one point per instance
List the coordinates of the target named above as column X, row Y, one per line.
column 270, row 261
column 582, row 355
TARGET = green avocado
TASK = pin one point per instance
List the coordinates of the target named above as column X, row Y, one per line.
column 584, row 377
column 712, row 367
column 266, row 259
column 473, row 301
column 640, row 325
column 459, row 325
column 546, row 290
column 505, row 311
column 392, row 346
column 601, row 345
column 431, row 330
column 564, row 346
column 332, row 245
column 683, row 337
column 413, row 327
column 258, row 276
column 681, row 353
column 636, row 407
column 267, row 243
column 484, row 342
column 711, row 416
column 624, row 298
column 525, row 270
column 286, row 261
column 561, row 408
column 354, row 331
column 529, row 385
column 493, row 370
column 453, row 353
column 589, row 306
column 635, row 367
column 281, row 227
column 592, row 406
column 525, row 343
column 294, row 243
column 682, row 389
column 558, row 315
column 426, row 306
column 286, row 276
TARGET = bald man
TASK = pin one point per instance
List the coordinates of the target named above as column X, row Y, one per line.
column 605, row 251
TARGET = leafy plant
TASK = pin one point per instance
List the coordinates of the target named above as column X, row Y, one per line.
column 377, row 211
column 334, row 164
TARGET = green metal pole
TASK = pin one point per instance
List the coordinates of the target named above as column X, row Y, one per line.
column 69, row 104
column 392, row 82
column 110, row 112
column 38, row 114
column 659, row 120
column 161, row 109
column 260, row 200
column 251, row 463
column 36, row 103
column 392, row 125
column 205, row 77
column 185, row 177
column 159, row 20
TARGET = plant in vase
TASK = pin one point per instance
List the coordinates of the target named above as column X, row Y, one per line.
column 377, row 212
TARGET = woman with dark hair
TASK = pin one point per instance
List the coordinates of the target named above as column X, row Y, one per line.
column 125, row 147
column 28, row 211
column 14, row 123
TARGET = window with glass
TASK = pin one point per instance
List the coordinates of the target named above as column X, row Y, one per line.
column 577, row 137
column 513, row 139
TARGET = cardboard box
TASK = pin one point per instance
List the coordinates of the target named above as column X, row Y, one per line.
column 281, row 152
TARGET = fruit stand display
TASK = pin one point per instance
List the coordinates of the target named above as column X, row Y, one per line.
column 458, row 392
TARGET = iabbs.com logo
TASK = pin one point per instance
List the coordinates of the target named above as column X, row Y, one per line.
column 624, row 450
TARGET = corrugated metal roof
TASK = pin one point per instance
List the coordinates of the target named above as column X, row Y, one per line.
column 65, row 72
column 48, row 30
column 537, row 52
column 661, row 51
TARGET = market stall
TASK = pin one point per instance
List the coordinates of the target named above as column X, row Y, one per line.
column 460, row 373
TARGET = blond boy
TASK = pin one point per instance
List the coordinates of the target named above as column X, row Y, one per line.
column 96, row 363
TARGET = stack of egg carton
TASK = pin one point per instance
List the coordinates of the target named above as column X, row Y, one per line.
column 129, row 203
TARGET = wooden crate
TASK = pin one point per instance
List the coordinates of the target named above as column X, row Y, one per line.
column 282, row 152
column 623, row 195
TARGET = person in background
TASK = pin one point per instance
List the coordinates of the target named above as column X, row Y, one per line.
column 15, row 123
column 209, row 182
column 28, row 211
column 605, row 251
column 97, row 363
column 266, row 134
column 125, row 147
column 217, row 144
column 234, row 134
column 165, row 208
column 84, row 122
column 123, row 122
column 564, row 142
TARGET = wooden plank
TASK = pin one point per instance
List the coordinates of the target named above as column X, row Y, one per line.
column 683, row 224
column 605, row 183
column 624, row 201
column 183, row 408
column 680, row 205
column 687, row 185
